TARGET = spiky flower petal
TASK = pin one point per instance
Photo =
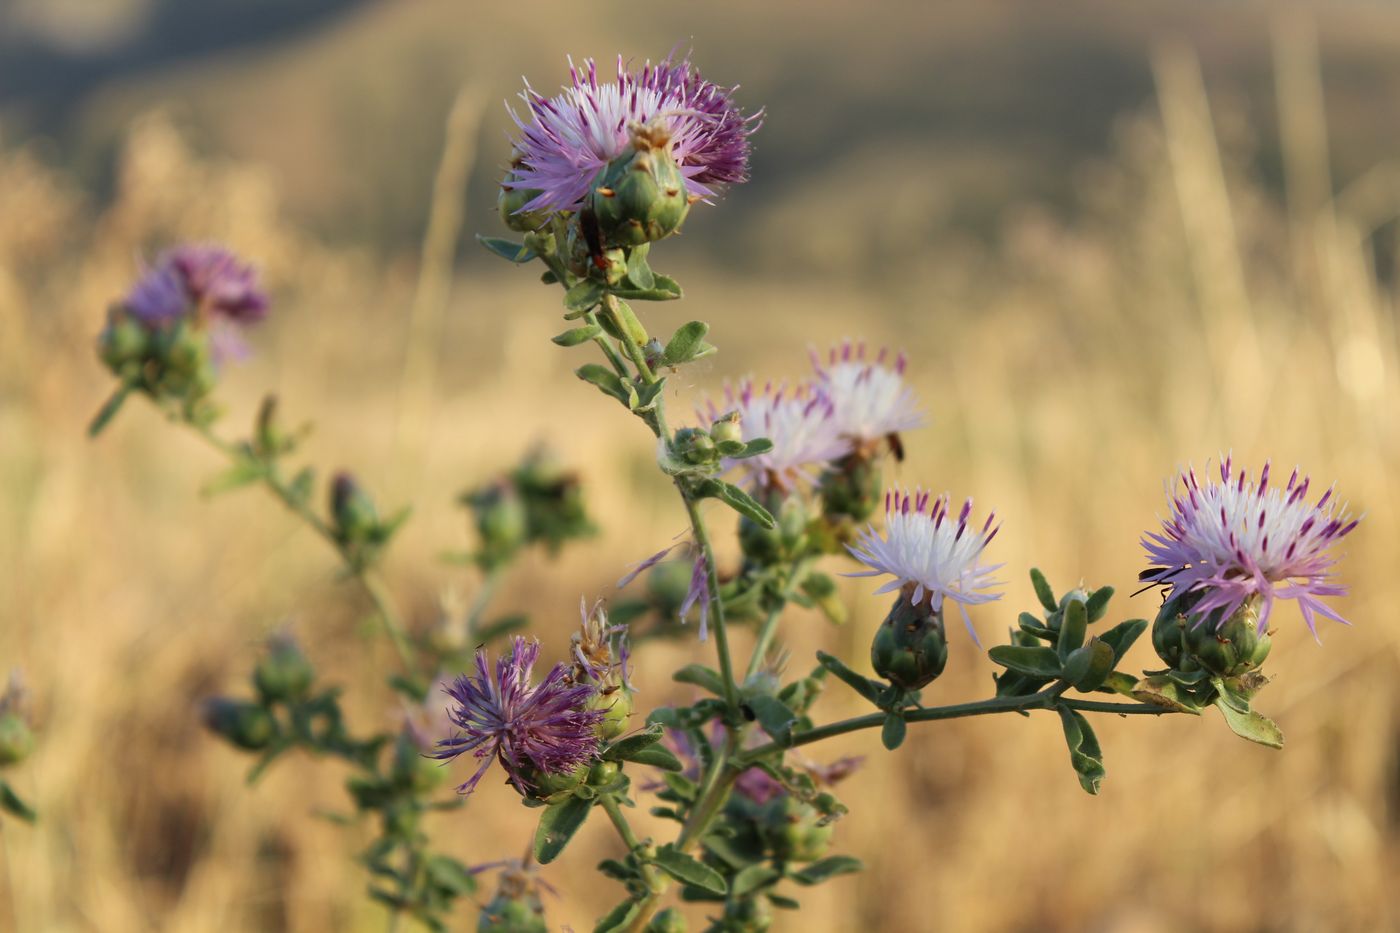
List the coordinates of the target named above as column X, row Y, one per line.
column 800, row 421
column 930, row 553
column 870, row 397
column 1236, row 539
column 565, row 140
column 502, row 715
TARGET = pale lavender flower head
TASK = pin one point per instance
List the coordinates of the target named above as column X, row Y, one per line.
column 1234, row 540
column 801, row 422
column 502, row 715
column 870, row 397
column 567, row 139
column 206, row 281
column 932, row 554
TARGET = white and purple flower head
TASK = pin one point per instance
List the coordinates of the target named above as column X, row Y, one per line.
column 800, row 421
column 502, row 715
column 871, row 399
column 931, row 554
column 1235, row 540
column 569, row 138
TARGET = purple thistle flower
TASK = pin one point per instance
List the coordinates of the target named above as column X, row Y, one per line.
column 928, row 551
column 502, row 715
column 801, row 423
column 870, row 397
column 204, row 280
column 1235, row 540
column 569, row 138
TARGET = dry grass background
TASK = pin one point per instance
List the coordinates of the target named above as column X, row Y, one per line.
column 1067, row 371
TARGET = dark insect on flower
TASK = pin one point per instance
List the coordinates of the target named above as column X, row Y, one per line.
column 543, row 728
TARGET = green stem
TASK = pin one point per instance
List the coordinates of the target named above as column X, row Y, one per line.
column 634, row 349
column 369, row 581
column 701, row 537
column 489, row 583
column 654, row 880
column 1045, row 699
column 769, row 628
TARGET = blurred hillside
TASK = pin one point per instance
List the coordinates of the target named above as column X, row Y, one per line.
column 893, row 119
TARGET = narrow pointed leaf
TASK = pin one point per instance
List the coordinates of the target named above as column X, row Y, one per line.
column 1043, row 591
column 558, row 823
column 692, row 871
column 827, row 868
column 1251, row 725
column 577, row 335
column 506, row 249
column 1037, row 662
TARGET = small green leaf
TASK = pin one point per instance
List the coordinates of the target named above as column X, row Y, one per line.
column 785, row 903
column 1073, row 629
column 1160, row 690
column 1251, row 725
column 892, row 733
column 638, row 272
column 774, row 716
column 242, row 473
column 1118, row 682
column 1100, row 665
column 577, row 335
column 827, row 868
column 741, row 502
column 583, row 296
column 1033, row 625
column 1037, row 662
column 450, row 875
column 506, row 249
column 558, row 823
column 863, row 685
column 1043, row 591
column 618, row 918
column 606, row 380
column 1098, row 603
column 647, row 396
column 11, row 803
column 751, row 878
column 700, row 676
column 1121, row 637
column 629, row 745
column 685, row 343
column 302, row 486
column 657, row 756
column 689, row 870
column 1084, row 753
column 759, row 445
column 410, row 687
column 663, row 289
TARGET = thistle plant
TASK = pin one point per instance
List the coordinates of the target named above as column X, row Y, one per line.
column 599, row 175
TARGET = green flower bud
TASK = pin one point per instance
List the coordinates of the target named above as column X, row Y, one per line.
column 727, row 429
column 542, row 785
column 284, row 673
column 910, row 648
column 852, row 488
column 123, row 344
column 793, row 830
column 505, row 914
column 501, row 521
column 640, row 196
column 352, row 510
column 1188, row 642
column 669, row 920
column 695, row 446
column 616, row 704
column 510, row 201
column 245, row 724
column 16, row 738
column 603, row 773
